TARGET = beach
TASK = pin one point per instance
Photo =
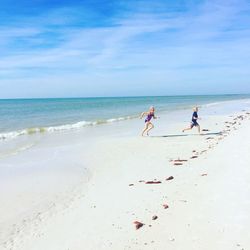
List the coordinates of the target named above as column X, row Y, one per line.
column 106, row 187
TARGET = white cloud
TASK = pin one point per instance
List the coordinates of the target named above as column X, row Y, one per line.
column 154, row 47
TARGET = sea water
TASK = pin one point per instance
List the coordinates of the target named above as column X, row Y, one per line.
column 29, row 116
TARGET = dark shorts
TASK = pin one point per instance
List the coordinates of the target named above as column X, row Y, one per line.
column 194, row 124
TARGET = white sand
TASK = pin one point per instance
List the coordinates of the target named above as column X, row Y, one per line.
column 208, row 198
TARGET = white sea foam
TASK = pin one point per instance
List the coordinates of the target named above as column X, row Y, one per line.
column 69, row 126
column 212, row 104
column 247, row 101
column 78, row 125
column 120, row 119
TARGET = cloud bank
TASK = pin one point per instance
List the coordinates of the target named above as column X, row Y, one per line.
column 125, row 48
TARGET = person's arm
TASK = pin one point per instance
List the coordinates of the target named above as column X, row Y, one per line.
column 195, row 116
column 143, row 114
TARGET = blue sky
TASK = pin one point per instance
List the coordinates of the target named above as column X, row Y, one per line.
column 62, row 48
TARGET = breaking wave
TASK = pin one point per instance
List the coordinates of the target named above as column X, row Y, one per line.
column 73, row 126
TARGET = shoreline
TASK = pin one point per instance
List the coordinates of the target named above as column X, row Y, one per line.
column 115, row 196
column 81, row 124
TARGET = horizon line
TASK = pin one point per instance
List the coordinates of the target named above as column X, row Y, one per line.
column 136, row 96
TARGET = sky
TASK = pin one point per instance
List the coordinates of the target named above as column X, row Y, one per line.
column 82, row 48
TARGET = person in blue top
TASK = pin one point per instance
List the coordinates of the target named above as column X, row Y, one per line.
column 194, row 122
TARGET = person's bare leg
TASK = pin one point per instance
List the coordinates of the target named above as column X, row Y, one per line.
column 151, row 126
column 145, row 129
column 199, row 129
column 185, row 129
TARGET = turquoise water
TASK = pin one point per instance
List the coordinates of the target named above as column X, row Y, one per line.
column 22, row 116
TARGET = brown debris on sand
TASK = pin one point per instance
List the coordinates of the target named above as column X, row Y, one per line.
column 131, row 184
column 155, row 217
column 239, row 117
column 194, row 157
column 179, row 160
column 178, row 164
column 170, row 178
column 138, row 225
column 165, row 206
column 203, row 151
column 203, row 174
column 205, row 130
column 153, row 182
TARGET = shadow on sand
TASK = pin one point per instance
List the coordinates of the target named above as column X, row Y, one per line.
column 182, row 135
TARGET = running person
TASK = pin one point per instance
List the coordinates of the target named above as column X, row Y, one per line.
column 194, row 122
column 148, row 124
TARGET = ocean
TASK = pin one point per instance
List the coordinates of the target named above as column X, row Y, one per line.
column 28, row 116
